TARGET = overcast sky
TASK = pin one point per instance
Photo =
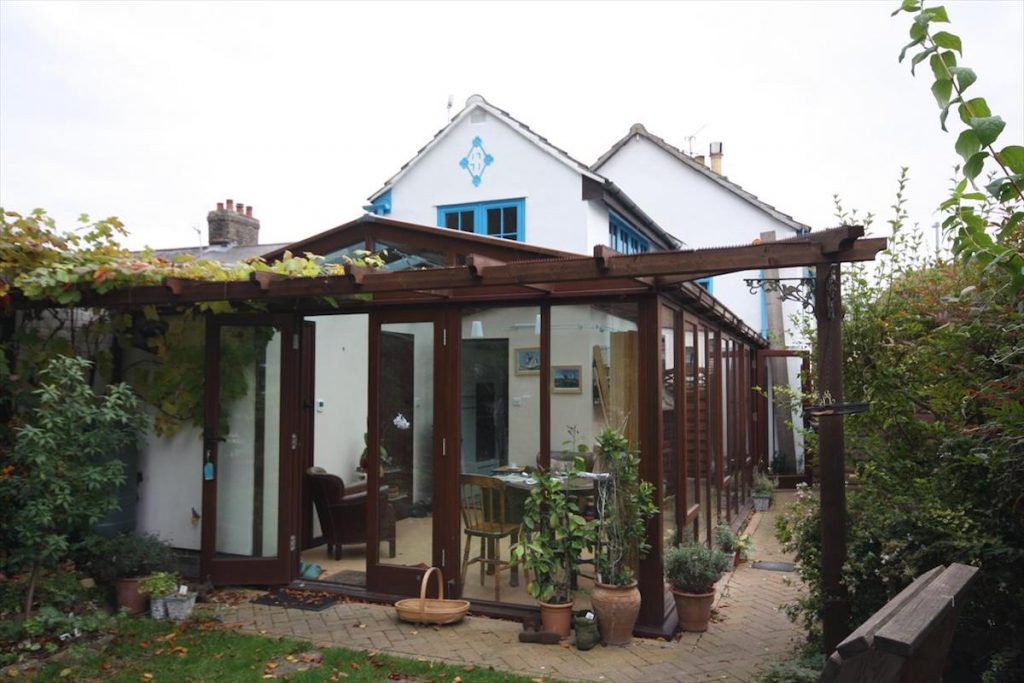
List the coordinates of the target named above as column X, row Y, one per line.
column 153, row 112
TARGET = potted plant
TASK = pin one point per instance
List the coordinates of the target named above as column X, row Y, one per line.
column 735, row 546
column 158, row 587
column 624, row 504
column 125, row 560
column 692, row 569
column 764, row 492
column 180, row 604
column 554, row 534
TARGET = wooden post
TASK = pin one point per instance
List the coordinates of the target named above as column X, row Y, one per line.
column 829, row 314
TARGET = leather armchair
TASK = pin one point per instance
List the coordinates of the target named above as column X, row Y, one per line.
column 342, row 511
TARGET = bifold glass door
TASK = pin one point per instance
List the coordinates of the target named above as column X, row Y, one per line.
column 250, row 447
column 405, row 463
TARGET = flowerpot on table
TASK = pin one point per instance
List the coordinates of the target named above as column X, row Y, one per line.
column 617, row 608
column 694, row 610
column 556, row 618
column 128, row 596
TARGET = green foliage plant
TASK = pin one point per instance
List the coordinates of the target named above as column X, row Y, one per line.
column 695, row 567
column 555, row 534
column 725, row 538
column 127, row 556
column 159, row 583
column 980, row 235
column 59, row 478
column 763, row 486
column 624, row 504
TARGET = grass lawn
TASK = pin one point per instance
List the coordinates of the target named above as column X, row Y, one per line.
column 146, row 650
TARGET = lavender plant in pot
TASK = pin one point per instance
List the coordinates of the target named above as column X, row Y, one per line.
column 624, row 504
column 692, row 569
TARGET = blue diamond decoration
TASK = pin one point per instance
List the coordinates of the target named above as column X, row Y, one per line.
column 476, row 161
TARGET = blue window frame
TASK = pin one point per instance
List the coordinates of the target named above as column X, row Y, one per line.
column 505, row 218
column 624, row 238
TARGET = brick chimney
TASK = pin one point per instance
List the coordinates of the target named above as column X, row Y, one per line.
column 716, row 157
column 233, row 225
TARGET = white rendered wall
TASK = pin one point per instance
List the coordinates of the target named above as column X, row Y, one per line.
column 171, row 487
column 555, row 213
column 702, row 214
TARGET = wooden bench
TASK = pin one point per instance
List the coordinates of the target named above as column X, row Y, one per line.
column 908, row 639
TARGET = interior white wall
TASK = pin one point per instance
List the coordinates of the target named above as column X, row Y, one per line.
column 171, row 487
column 341, row 391
column 555, row 215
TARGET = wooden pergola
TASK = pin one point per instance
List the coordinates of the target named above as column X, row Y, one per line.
column 489, row 271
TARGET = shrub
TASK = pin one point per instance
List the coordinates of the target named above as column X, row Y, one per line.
column 126, row 555
column 725, row 538
column 694, row 567
column 763, row 485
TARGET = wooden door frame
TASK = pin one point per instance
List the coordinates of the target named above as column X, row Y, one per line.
column 284, row 567
column 399, row 579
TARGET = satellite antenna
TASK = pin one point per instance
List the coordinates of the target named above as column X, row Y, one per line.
column 692, row 136
column 450, row 99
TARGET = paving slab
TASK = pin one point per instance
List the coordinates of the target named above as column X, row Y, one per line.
column 750, row 629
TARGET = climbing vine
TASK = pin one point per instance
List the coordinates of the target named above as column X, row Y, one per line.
column 50, row 270
column 985, row 226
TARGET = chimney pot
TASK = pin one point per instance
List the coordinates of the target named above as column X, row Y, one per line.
column 233, row 225
column 248, row 211
column 231, row 205
column 240, row 208
column 716, row 157
column 220, row 206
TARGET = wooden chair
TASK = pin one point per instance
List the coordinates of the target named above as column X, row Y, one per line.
column 484, row 516
column 342, row 511
column 908, row 639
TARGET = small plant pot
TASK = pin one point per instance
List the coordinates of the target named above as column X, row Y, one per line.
column 761, row 503
column 556, row 618
column 694, row 610
column 158, row 607
column 129, row 598
column 587, row 633
column 179, row 607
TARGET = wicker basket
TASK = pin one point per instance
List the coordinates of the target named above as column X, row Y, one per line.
column 424, row 610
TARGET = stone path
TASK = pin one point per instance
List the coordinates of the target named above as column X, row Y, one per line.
column 750, row 629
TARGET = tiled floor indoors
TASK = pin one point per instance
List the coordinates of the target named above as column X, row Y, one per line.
column 749, row 630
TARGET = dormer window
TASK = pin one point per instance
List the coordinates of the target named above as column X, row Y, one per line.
column 504, row 218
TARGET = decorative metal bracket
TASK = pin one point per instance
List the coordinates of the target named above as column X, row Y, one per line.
column 802, row 292
column 832, row 290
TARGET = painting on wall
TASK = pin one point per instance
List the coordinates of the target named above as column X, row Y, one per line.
column 567, row 379
column 528, row 361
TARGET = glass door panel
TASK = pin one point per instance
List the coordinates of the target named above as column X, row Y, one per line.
column 252, row 379
column 405, row 433
column 248, row 459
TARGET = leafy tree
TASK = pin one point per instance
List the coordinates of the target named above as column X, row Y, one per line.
column 60, row 478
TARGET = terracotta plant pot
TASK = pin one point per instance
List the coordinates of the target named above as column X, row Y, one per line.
column 617, row 608
column 128, row 596
column 556, row 618
column 694, row 610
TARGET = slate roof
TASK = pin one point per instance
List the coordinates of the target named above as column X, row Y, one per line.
column 639, row 130
column 224, row 254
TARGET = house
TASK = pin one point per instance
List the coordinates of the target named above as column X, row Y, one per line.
column 501, row 331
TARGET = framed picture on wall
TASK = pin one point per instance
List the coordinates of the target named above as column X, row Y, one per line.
column 567, row 379
column 528, row 361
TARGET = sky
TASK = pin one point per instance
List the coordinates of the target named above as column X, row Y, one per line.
column 153, row 112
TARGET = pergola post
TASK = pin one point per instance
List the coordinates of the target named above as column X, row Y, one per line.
column 828, row 310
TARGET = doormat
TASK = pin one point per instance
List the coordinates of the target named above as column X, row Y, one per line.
column 348, row 577
column 314, row 601
column 774, row 566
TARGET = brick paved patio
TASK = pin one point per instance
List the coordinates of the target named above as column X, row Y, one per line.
column 750, row 629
